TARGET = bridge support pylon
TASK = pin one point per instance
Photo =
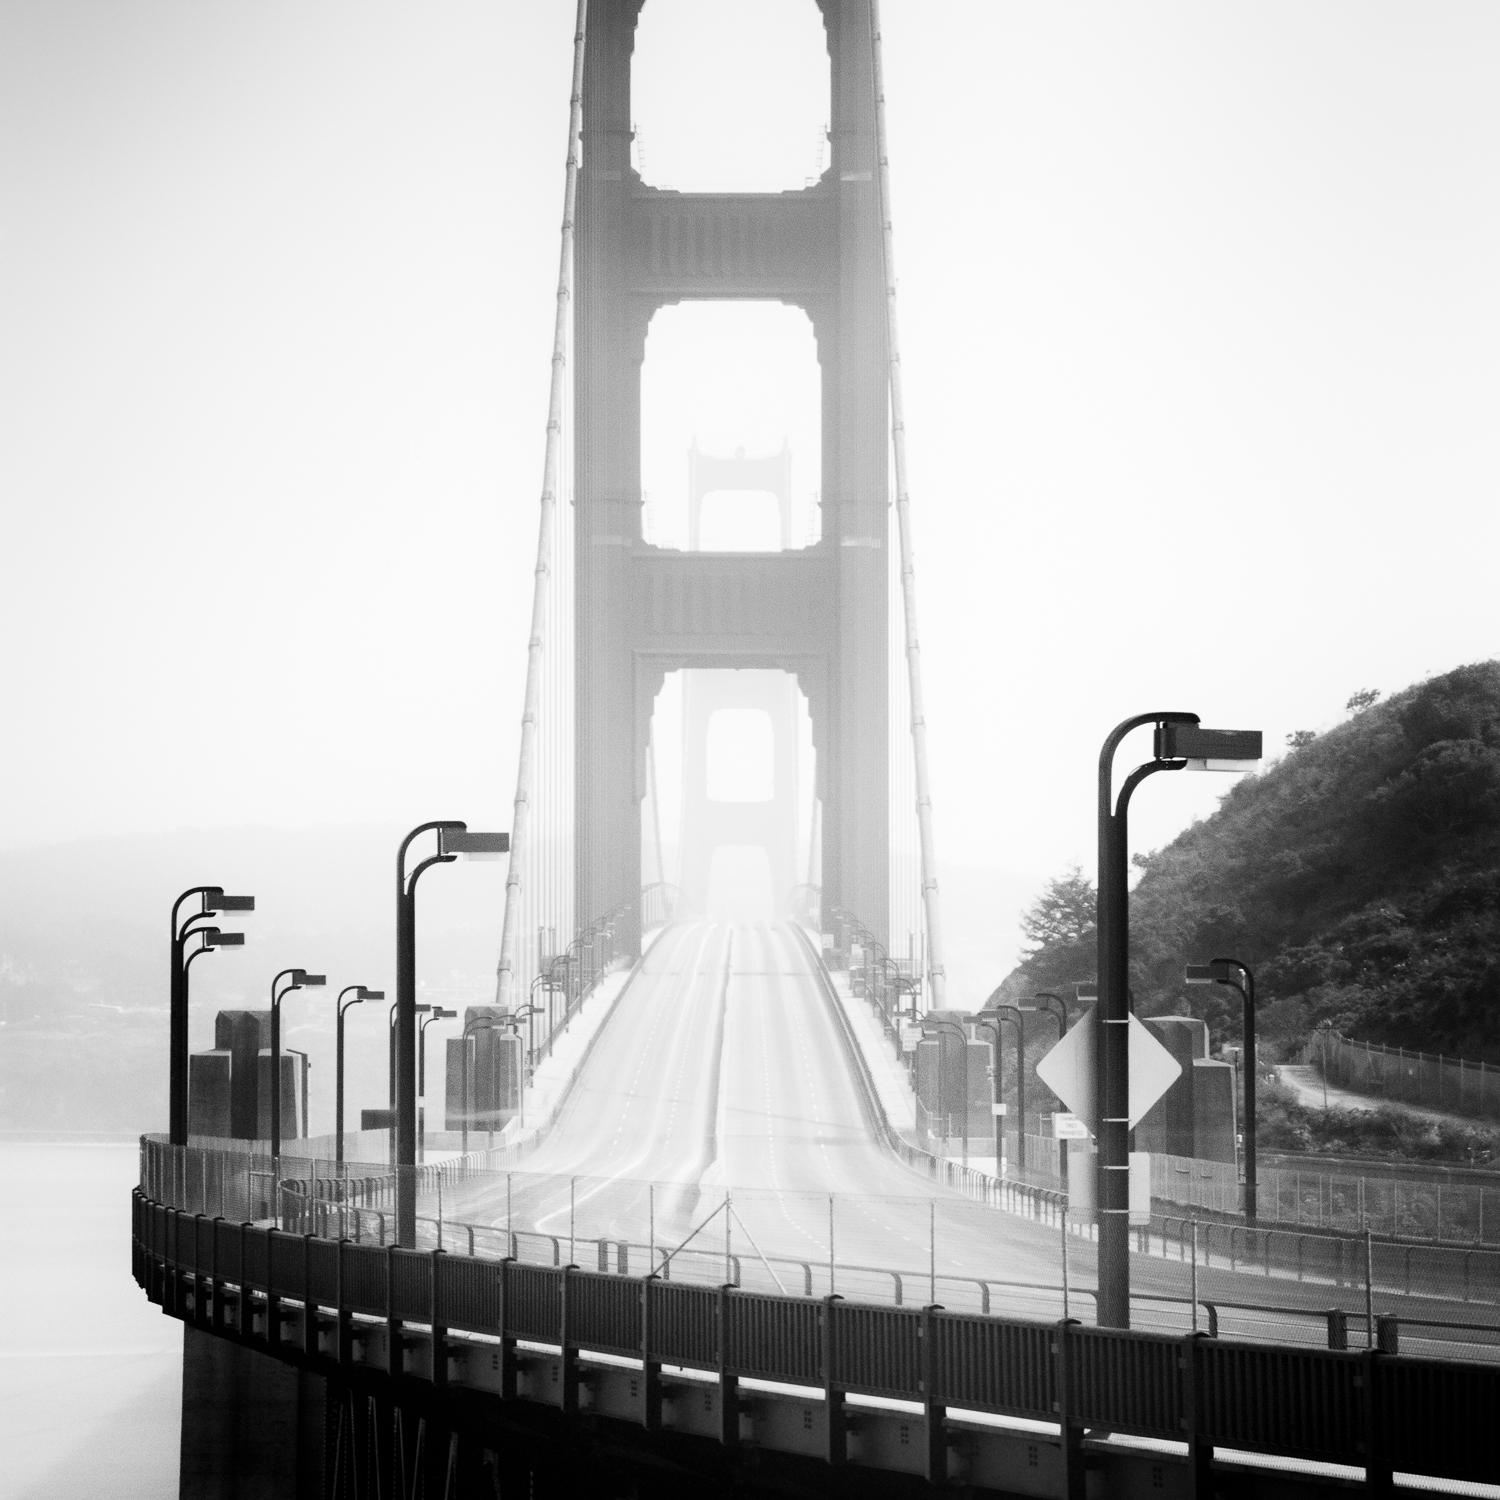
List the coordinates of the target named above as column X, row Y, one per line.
column 820, row 612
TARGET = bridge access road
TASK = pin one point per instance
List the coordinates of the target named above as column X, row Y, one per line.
column 719, row 1124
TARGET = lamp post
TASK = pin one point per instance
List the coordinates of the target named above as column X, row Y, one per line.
column 1237, row 976
column 453, row 840
column 360, row 993
column 478, row 1023
column 1058, row 1009
column 436, row 1014
column 992, row 1016
column 212, row 902
column 300, row 979
column 1179, row 744
column 942, row 1027
column 528, row 1010
column 417, row 1010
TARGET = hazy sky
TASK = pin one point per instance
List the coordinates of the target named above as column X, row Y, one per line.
column 1201, row 337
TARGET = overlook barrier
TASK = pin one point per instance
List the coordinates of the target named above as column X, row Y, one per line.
column 452, row 1321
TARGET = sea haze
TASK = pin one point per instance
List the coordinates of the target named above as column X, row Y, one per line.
column 90, row 1372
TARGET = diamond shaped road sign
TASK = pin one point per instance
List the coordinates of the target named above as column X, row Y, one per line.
column 1068, row 1070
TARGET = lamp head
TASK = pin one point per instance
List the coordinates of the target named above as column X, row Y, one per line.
column 214, row 899
column 461, row 841
column 1208, row 749
column 302, row 979
column 213, row 938
column 364, row 994
column 1218, row 972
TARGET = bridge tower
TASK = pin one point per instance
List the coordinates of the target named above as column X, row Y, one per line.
column 642, row 610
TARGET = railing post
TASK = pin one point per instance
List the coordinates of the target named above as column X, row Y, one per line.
column 1388, row 1333
column 216, row 1313
column 507, row 1339
column 396, row 1358
column 650, row 1367
column 435, row 1318
column 568, row 1351
column 273, row 1302
column 1200, row 1447
column 1069, row 1431
column 934, row 1412
column 1338, row 1328
column 836, row 1434
column 344, row 1342
column 1379, row 1479
column 309, row 1306
column 729, row 1401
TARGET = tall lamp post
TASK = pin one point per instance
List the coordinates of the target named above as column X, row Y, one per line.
column 529, row 1011
column 1179, row 744
column 436, row 1014
column 453, row 840
column 300, row 979
column 212, row 902
column 942, row 1028
column 478, row 1023
column 1058, row 1009
column 1237, row 976
column 417, row 1010
column 360, row 993
column 992, row 1016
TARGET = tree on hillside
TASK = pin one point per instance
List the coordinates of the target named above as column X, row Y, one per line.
column 1362, row 699
column 1300, row 737
column 1058, row 929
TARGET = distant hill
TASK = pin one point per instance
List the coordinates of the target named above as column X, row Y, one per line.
column 1358, row 876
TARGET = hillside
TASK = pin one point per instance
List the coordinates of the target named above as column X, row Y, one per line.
column 1358, row 876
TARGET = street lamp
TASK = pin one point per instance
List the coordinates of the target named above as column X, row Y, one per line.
column 992, row 1016
column 528, row 1010
column 1058, row 1009
column 212, row 902
column 476, row 1023
column 1179, row 744
column 453, row 840
column 360, row 993
column 963, row 1057
column 437, row 1014
column 419, row 1010
column 1237, row 976
column 300, row 979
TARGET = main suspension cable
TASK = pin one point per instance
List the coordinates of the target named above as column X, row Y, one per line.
column 521, row 831
column 934, row 955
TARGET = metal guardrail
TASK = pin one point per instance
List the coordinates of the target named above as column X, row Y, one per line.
column 1386, row 1413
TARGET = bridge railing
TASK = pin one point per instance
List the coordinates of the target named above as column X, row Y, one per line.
column 1327, row 1291
column 1381, row 1412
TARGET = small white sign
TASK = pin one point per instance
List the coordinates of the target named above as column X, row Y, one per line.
column 997, row 1109
column 1067, row 1127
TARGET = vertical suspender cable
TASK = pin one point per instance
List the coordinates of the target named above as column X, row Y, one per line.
column 935, row 976
column 520, row 836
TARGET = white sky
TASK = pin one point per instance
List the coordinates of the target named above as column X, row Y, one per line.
column 1201, row 335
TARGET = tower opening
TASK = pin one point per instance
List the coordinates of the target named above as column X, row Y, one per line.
column 731, row 407
column 729, row 98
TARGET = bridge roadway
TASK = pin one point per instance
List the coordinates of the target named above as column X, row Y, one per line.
column 723, row 1070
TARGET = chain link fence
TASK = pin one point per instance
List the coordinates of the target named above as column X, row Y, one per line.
column 1429, row 1080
